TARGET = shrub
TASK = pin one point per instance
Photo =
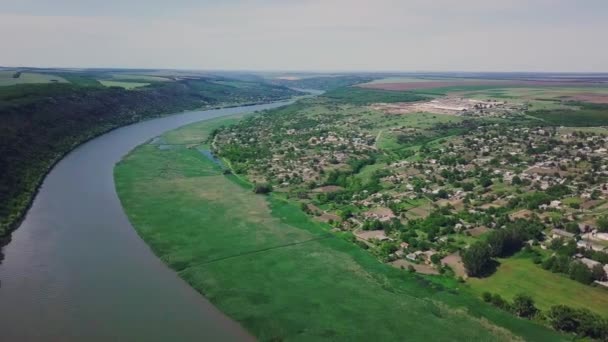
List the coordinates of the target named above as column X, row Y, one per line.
column 262, row 188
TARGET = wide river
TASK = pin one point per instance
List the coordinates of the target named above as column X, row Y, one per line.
column 77, row 270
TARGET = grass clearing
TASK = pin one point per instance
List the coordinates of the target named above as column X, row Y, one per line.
column 264, row 263
column 520, row 275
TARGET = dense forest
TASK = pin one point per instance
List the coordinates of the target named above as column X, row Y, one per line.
column 39, row 123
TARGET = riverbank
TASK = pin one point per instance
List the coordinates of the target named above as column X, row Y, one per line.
column 77, row 241
column 282, row 276
column 42, row 123
column 15, row 217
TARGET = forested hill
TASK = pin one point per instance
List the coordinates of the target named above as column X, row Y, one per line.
column 39, row 123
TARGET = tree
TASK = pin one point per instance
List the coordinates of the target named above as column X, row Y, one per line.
column 468, row 186
column 346, row 213
column 523, row 306
column 476, row 259
column 485, row 181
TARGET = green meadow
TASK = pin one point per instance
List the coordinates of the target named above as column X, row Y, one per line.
column 264, row 263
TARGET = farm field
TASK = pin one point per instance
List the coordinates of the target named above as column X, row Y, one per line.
column 281, row 275
column 7, row 79
column 517, row 275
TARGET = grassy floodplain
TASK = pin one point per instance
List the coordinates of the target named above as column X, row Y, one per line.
column 282, row 276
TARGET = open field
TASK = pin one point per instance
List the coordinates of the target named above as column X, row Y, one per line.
column 7, row 78
column 517, row 275
column 281, row 275
column 430, row 84
column 123, row 84
column 139, row 78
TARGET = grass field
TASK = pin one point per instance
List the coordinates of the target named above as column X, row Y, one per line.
column 123, row 84
column 520, row 275
column 7, row 79
column 282, row 276
column 139, row 78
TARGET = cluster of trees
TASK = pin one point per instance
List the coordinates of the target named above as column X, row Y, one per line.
column 582, row 322
column 534, row 199
column 439, row 222
column 388, row 226
column 502, row 242
column 40, row 123
column 574, row 269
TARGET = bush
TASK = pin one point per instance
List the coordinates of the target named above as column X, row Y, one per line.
column 262, row 188
column 580, row 272
column 499, row 302
column 487, row 297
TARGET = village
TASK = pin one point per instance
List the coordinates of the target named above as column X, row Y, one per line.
column 420, row 204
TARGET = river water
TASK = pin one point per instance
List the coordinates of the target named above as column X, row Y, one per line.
column 77, row 270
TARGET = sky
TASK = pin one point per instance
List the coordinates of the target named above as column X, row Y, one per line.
column 308, row 35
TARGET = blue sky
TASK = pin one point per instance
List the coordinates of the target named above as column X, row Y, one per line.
column 395, row 35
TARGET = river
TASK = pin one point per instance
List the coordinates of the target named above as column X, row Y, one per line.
column 77, row 270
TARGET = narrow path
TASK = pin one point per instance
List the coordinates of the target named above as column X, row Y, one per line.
column 377, row 138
